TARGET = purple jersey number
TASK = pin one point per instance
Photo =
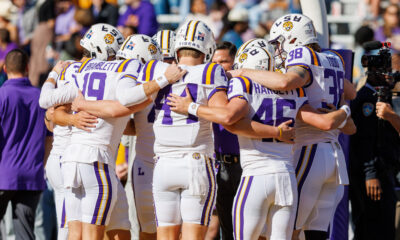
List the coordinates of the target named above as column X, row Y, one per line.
column 337, row 78
column 266, row 110
column 160, row 103
column 89, row 80
column 294, row 54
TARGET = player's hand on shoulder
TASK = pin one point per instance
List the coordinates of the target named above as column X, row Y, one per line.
column 286, row 132
column 180, row 104
column 84, row 121
column 60, row 65
column 235, row 73
column 174, row 73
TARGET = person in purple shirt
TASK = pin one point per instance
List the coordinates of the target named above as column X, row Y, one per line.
column 22, row 145
column 227, row 152
column 141, row 16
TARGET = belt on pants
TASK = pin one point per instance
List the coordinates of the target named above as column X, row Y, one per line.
column 227, row 158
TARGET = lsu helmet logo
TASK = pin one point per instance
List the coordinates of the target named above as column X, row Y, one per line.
column 243, row 57
column 288, row 26
column 108, row 38
column 152, row 49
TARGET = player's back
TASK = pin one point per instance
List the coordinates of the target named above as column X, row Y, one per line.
column 62, row 134
column 267, row 155
column 326, row 87
column 176, row 132
column 98, row 80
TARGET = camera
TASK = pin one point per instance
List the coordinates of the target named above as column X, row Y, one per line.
column 379, row 69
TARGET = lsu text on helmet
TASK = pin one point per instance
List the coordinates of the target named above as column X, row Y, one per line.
column 102, row 41
column 166, row 41
column 141, row 47
column 254, row 58
column 195, row 35
column 289, row 32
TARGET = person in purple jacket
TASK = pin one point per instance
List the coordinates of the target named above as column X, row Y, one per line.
column 139, row 15
column 22, row 145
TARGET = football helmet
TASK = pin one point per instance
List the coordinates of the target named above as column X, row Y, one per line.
column 254, row 58
column 256, row 42
column 166, row 41
column 290, row 31
column 195, row 35
column 141, row 47
column 102, row 41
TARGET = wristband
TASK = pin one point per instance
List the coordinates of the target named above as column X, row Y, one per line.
column 192, row 109
column 280, row 132
column 346, row 109
column 343, row 123
column 162, row 81
column 53, row 75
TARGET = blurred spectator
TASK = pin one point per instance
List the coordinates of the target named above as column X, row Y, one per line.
column 198, row 9
column 104, row 12
column 25, row 21
column 263, row 15
column 84, row 18
column 5, row 47
column 139, row 15
column 238, row 23
column 166, row 6
column 217, row 12
column 22, row 145
column 65, row 23
column 6, row 14
column 362, row 35
column 72, row 49
column 42, row 36
column 390, row 31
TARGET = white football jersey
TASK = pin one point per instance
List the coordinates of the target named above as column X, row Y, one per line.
column 178, row 133
column 101, row 80
column 268, row 155
column 326, row 86
column 62, row 134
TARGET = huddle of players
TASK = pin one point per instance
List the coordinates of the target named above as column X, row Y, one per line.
column 173, row 105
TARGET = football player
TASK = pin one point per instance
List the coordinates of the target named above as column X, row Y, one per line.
column 184, row 176
column 166, row 41
column 276, row 114
column 144, row 48
column 321, row 74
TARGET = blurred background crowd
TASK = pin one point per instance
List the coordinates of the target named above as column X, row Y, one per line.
column 50, row 30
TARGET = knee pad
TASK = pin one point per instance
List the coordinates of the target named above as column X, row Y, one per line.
column 315, row 235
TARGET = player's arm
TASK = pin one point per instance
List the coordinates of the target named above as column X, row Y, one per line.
column 106, row 108
column 129, row 96
column 51, row 96
column 252, row 129
column 349, row 90
column 219, row 110
column 48, row 119
column 323, row 121
column 295, row 77
column 81, row 120
column 130, row 128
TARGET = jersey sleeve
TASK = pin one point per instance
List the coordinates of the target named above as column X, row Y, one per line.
column 239, row 87
column 303, row 57
column 131, row 68
column 215, row 74
column 301, row 97
column 50, row 96
column 147, row 71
